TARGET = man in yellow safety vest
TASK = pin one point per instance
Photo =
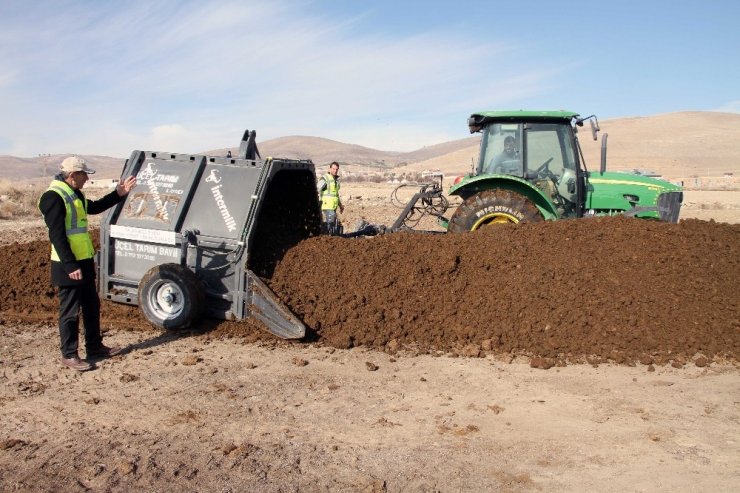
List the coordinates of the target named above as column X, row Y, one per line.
column 328, row 187
column 65, row 211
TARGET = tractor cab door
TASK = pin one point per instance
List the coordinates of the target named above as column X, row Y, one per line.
column 551, row 164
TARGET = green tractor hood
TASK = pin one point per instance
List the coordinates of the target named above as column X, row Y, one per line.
column 638, row 195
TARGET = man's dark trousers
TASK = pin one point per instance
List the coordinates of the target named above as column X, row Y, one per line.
column 71, row 299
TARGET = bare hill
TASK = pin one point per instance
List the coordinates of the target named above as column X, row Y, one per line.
column 37, row 169
column 323, row 151
column 675, row 145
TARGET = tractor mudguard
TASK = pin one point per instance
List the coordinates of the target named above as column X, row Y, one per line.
column 475, row 184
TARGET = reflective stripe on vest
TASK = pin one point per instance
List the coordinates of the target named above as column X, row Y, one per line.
column 330, row 195
column 75, row 222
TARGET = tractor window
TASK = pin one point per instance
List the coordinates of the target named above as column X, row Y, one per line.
column 501, row 150
column 551, row 163
column 550, row 146
column 544, row 145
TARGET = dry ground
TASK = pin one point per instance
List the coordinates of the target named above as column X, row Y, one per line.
column 201, row 412
column 193, row 414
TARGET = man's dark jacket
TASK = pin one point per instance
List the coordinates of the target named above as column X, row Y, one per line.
column 52, row 207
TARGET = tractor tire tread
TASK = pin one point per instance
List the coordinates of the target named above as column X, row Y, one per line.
column 513, row 203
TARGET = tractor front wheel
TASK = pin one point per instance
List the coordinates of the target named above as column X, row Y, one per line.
column 492, row 207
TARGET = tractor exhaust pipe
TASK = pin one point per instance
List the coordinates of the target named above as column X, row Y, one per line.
column 603, row 153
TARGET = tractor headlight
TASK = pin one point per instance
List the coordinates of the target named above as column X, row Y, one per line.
column 631, row 198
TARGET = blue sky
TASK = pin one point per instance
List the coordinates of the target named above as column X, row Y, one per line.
column 107, row 77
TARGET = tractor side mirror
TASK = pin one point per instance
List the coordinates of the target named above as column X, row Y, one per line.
column 594, row 127
column 473, row 125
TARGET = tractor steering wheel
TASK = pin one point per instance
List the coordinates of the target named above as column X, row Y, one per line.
column 544, row 169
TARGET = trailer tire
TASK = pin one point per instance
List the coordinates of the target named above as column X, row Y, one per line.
column 492, row 207
column 170, row 296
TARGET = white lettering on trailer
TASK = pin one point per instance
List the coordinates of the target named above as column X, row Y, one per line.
column 141, row 251
column 143, row 248
column 168, row 252
column 154, row 181
column 124, row 246
column 161, row 209
column 135, row 251
column 143, row 234
column 223, row 209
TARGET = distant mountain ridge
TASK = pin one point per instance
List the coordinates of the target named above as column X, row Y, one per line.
column 44, row 168
column 673, row 144
column 323, row 151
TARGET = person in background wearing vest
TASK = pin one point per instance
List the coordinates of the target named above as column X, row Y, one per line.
column 65, row 211
column 329, row 195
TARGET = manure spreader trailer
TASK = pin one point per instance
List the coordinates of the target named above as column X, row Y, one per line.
column 187, row 240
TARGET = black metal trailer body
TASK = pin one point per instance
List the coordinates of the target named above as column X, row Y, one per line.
column 179, row 246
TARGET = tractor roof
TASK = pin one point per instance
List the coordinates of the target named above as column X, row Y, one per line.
column 485, row 117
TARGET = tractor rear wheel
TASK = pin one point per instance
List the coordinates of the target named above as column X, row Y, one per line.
column 170, row 296
column 492, row 207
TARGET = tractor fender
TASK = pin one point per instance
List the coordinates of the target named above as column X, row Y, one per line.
column 472, row 185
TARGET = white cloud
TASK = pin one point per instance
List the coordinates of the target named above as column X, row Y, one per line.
column 107, row 78
column 7, row 75
column 168, row 136
column 401, row 136
column 730, row 107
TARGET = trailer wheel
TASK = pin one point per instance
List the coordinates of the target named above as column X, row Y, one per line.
column 170, row 296
column 492, row 207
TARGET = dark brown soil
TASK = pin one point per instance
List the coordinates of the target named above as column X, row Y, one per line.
column 611, row 288
column 596, row 290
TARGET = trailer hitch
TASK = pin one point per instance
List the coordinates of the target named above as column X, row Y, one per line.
column 189, row 237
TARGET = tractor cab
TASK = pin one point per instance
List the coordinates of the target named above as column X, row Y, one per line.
column 541, row 151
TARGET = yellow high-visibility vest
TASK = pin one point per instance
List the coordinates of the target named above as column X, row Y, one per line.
column 75, row 222
column 330, row 195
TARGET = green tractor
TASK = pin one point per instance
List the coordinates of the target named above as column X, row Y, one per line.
column 531, row 168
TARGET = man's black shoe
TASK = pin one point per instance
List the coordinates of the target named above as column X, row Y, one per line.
column 77, row 364
column 104, row 351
